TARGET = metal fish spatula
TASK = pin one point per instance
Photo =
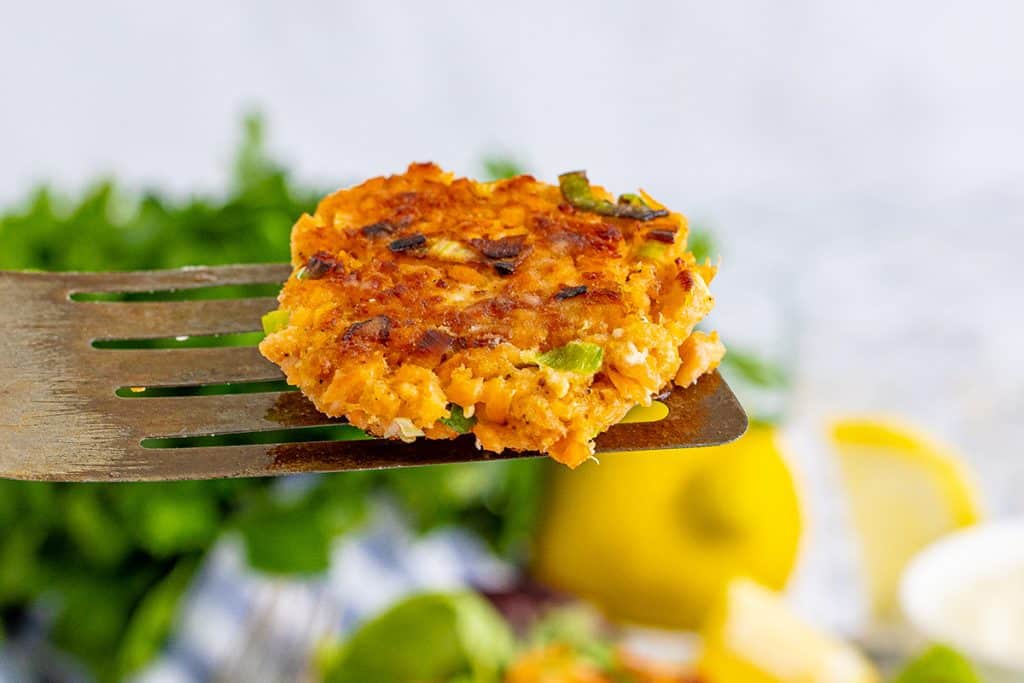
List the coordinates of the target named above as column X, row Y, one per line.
column 76, row 405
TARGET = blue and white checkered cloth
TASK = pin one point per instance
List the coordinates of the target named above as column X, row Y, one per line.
column 238, row 625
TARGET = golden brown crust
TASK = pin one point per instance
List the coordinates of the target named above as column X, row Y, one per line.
column 422, row 290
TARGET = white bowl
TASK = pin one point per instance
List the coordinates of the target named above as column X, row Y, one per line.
column 949, row 566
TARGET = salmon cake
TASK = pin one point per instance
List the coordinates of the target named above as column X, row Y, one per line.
column 533, row 315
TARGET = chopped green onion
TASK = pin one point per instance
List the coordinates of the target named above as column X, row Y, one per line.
column 458, row 421
column 576, row 190
column 275, row 321
column 580, row 357
column 652, row 251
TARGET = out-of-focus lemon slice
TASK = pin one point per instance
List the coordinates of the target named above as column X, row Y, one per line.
column 652, row 537
column 753, row 637
column 905, row 491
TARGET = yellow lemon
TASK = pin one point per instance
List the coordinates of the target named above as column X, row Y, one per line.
column 905, row 491
column 652, row 537
column 753, row 637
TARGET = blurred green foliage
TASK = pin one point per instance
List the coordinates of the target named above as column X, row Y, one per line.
column 938, row 664
column 110, row 562
column 755, row 370
column 701, row 244
column 499, row 168
column 111, row 229
column 445, row 637
column 460, row 638
column 579, row 627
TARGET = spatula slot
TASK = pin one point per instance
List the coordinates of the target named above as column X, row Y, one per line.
column 341, row 432
column 219, row 292
column 206, row 389
column 197, row 341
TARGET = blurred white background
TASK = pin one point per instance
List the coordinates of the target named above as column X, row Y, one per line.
column 861, row 163
column 710, row 102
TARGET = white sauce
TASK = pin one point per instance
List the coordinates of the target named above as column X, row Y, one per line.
column 987, row 617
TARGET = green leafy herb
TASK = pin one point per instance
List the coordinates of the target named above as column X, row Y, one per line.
column 582, row 357
column 170, row 520
column 500, row 168
column 285, row 536
column 151, row 620
column 458, row 421
column 755, row 370
column 577, row 191
column 701, row 244
column 428, row 637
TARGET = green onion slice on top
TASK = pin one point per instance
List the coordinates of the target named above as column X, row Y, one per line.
column 582, row 357
column 576, row 190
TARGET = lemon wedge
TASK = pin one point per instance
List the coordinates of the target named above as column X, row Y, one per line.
column 905, row 491
column 752, row 636
column 651, row 537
